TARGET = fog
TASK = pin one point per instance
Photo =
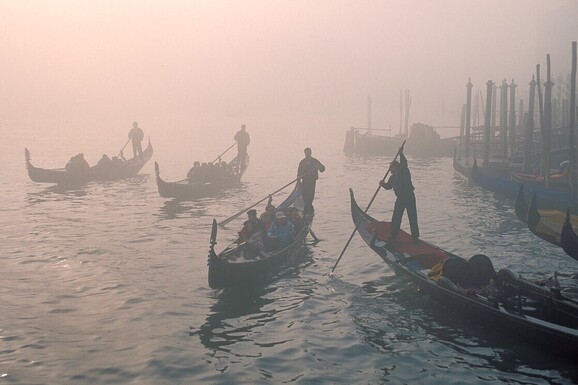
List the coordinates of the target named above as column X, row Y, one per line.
column 98, row 65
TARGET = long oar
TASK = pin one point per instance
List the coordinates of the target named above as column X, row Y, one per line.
column 224, row 152
column 122, row 149
column 223, row 223
column 368, row 206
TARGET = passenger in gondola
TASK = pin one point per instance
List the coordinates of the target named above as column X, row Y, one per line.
column 104, row 162
column 77, row 164
column 268, row 216
column 280, row 232
column 400, row 182
column 251, row 226
column 194, row 173
column 297, row 220
column 118, row 161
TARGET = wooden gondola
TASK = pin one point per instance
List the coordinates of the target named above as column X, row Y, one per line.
column 553, row 226
column 568, row 238
column 512, row 306
column 240, row 265
column 423, row 141
column 550, row 198
column 183, row 190
column 62, row 176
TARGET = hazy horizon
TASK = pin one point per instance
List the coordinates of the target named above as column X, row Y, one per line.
column 97, row 66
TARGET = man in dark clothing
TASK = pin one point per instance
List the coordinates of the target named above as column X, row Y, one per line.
column 242, row 138
column 251, row 226
column 136, row 135
column 308, row 173
column 400, row 181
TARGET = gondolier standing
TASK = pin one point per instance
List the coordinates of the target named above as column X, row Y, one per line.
column 308, row 172
column 400, row 181
column 242, row 138
column 136, row 135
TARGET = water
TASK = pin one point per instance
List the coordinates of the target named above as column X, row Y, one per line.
column 107, row 284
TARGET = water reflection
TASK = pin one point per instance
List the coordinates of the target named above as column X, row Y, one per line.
column 174, row 209
column 55, row 193
column 238, row 314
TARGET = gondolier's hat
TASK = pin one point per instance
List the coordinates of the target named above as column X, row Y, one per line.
column 252, row 212
column 280, row 215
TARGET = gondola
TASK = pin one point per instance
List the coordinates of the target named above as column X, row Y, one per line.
column 550, row 198
column 511, row 305
column 240, row 266
column 568, row 238
column 553, row 226
column 183, row 190
column 62, row 176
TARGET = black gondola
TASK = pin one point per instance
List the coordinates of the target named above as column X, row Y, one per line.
column 184, row 190
column 240, row 265
column 62, row 176
column 511, row 305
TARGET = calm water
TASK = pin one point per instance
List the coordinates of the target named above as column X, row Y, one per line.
column 107, row 284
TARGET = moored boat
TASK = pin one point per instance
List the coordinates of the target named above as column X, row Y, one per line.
column 243, row 265
column 568, row 237
column 422, row 141
column 113, row 171
column 550, row 198
column 553, row 226
column 511, row 305
column 187, row 190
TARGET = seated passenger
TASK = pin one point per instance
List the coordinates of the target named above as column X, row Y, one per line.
column 251, row 226
column 268, row 216
column 104, row 162
column 280, row 231
column 77, row 164
column 296, row 219
column 194, row 174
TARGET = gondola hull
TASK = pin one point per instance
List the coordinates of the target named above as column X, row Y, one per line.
column 62, row 176
column 183, row 190
column 515, row 308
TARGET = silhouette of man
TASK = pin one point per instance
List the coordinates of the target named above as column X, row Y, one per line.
column 400, row 182
column 308, row 172
column 242, row 138
column 136, row 135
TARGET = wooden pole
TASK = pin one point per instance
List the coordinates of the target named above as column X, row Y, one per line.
column 529, row 138
column 512, row 118
column 572, row 123
column 504, row 119
column 489, row 86
column 547, row 121
column 468, row 120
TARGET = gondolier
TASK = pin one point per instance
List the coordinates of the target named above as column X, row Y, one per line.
column 136, row 135
column 400, row 182
column 308, row 172
column 243, row 139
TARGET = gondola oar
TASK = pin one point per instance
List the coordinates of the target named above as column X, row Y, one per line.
column 223, row 223
column 123, row 147
column 224, row 152
column 368, row 206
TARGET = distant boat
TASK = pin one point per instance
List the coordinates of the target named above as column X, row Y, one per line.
column 423, row 141
column 185, row 190
column 63, row 176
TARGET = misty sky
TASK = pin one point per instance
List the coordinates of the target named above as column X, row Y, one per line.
column 106, row 63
